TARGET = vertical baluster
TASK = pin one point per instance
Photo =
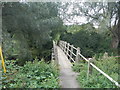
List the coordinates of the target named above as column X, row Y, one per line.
column 68, row 48
column 64, row 46
column 71, row 51
column 77, row 54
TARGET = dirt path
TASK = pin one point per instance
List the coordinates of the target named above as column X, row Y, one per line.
column 67, row 76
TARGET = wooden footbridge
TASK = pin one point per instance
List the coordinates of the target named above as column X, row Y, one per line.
column 64, row 54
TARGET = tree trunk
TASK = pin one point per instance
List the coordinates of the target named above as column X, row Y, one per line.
column 119, row 35
column 119, row 27
column 115, row 37
column 116, row 31
column 115, row 42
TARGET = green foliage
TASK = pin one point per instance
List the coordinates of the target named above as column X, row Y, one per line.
column 32, row 28
column 37, row 74
column 89, row 40
column 96, row 80
column 76, row 28
column 78, row 67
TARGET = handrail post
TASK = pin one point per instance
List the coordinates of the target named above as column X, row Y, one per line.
column 55, row 51
column 64, row 46
column 71, row 51
column 60, row 43
column 89, row 69
column 52, row 56
column 77, row 54
column 68, row 48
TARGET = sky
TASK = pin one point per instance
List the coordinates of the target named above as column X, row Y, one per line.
column 78, row 19
column 59, row 0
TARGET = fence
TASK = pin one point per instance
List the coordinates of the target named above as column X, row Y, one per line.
column 74, row 55
column 70, row 50
column 54, row 52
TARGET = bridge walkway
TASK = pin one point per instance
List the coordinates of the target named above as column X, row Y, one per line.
column 67, row 76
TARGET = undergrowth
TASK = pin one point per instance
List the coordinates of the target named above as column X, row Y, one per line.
column 96, row 80
column 37, row 74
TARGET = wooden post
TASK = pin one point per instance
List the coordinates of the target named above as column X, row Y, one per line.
column 71, row 51
column 64, row 46
column 77, row 54
column 89, row 69
column 55, row 52
column 60, row 44
column 52, row 56
column 68, row 48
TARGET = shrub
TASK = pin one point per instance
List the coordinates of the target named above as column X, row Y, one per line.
column 37, row 74
column 96, row 80
column 90, row 42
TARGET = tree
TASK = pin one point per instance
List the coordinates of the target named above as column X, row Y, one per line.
column 102, row 14
column 27, row 29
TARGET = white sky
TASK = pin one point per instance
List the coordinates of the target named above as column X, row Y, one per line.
column 78, row 19
column 59, row 0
